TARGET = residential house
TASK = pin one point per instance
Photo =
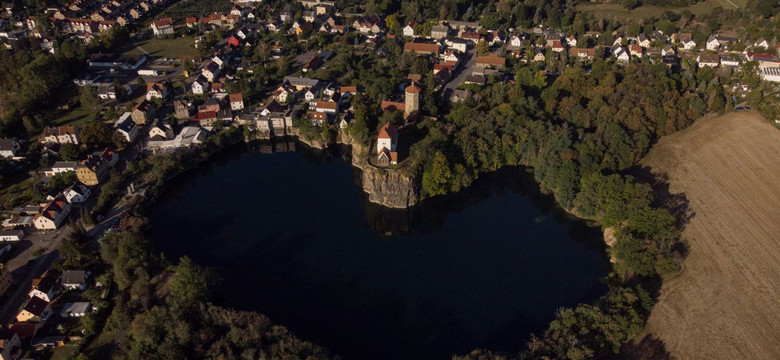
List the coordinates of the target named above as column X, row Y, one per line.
column 126, row 127
column 162, row 27
column 386, row 145
column 456, row 44
column 77, row 309
column 301, row 83
column 200, row 85
column 668, row 50
column 317, row 118
column 687, row 42
column 144, row 113
column 53, row 214
column 583, row 53
column 313, row 93
column 636, row 50
column 161, row 130
column 74, row 280
column 713, row 43
column 557, row 46
column 211, row 104
column 409, row 28
column 422, row 48
column 77, row 193
column 644, row 41
column 181, row 109
column 211, row 71
column 191, row 22
column 60, row 167
column 571, row 41
column 313, row 64
column 236, row 101
column 368, row 24
column 620, row 53
column 10, row 345
column 9, row 147
column 539, row 55
column 95, row 169
column 491, row 61
column 761, row 42
column 327, row 107
column 35, row 310
column 61, row 135
column 516, row 41
column 440, row 31
column 156, row 90
column 729, row 60
column 47, row 286
column 9, row 236
column 711, row 60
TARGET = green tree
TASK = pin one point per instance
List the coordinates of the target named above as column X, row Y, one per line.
column 436, row 180
column 70, row 152
column 89, row 98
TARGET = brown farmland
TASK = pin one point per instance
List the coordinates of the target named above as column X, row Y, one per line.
column 725, row 304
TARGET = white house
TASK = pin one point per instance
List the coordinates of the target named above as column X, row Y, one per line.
column 713, row 43
column 47, row 286
column 74, row 279
column 12, row 235
column 52, row 215
column 688, row 44
column 77, row 309
column 711, row 60
column 620, row 53
column 571, row 41
column 643, row 41
column 668, row 50
column 162, row 27
column 236, row 101
column 156, row 90
column 409, row 29
column 9, row 147
column 761, row 42
column 386, row 144
column 126, row 126
column 200, row 86
column 516, row 41
column 77, row 193
column 211, row 71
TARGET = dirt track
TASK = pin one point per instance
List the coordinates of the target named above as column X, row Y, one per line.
column 726, row 302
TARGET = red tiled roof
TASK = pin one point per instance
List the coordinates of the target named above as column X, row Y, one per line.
column 236, row 97
column 388, row 131
column 163, row 22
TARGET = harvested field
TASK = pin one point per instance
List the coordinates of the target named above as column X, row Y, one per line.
column 726, row 302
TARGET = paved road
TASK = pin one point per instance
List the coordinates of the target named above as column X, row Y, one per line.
column 19, row 296
column 470, row 60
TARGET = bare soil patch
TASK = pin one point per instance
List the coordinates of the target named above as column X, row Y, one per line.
column 726, row 302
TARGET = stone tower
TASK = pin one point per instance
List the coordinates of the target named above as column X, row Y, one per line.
column 412, row 100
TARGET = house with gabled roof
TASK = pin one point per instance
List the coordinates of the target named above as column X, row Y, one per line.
column 74, row 279
column 47, row 286
column 52, row 215
column 705, row 59
column 713, row 43
column 35, row 310
column 61, row 135
column 157, row 90
column 386, row 145
column 9, row 147
column 162, row 27
column 77, row 193
column 10, row 344
column 409, row 28
column 236, row 101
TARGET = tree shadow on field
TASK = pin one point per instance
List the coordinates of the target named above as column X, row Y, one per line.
column 649, row 348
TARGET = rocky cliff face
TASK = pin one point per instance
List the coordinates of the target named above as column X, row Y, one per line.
column 389, row 188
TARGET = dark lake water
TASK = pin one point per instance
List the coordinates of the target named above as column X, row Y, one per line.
column 293, row 236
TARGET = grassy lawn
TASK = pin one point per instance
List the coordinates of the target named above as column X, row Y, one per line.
column 168, row 48
column 63, row 352
column 611, row 10
column 76, row 116
column 101, row 346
